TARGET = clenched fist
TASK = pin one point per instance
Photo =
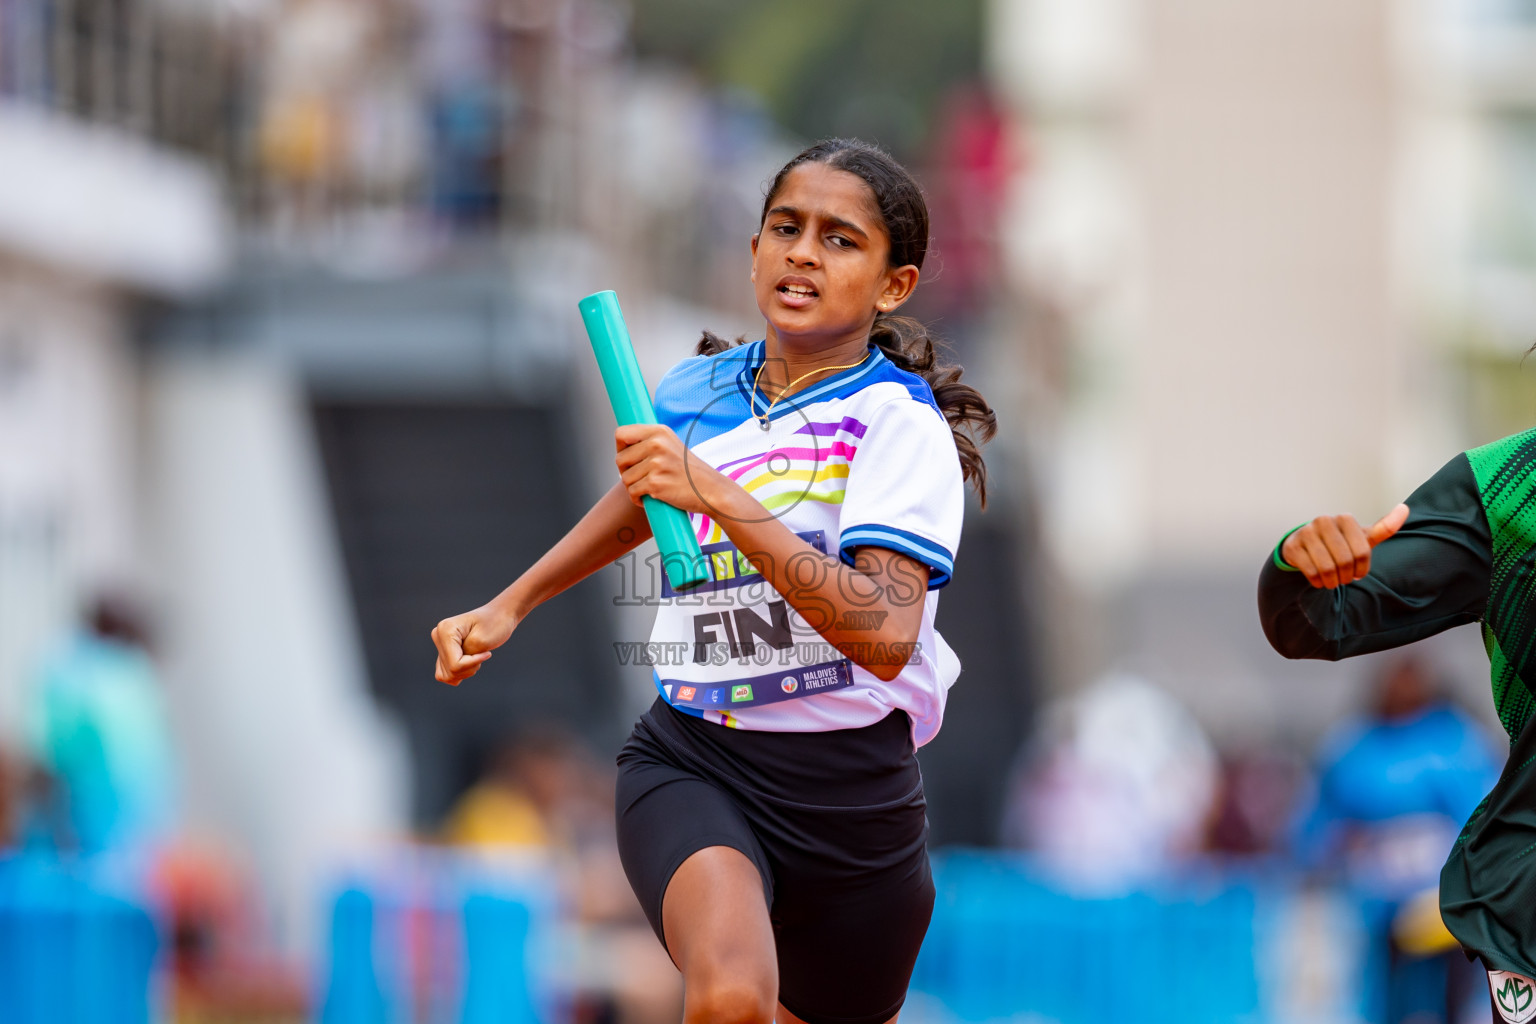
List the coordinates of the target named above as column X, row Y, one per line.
column 1334, row 550
column 464, row 642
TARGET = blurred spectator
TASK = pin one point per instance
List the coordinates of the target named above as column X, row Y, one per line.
column 469, row 107
column 524, row 798
column 1119, row 785
column 12, row 797
column 96, row 724
column 218, row 953
column 1392, row 793
column 312, row 60
column 544, row 791
column 1257, row 792
column 973, row 166
column 343, row 121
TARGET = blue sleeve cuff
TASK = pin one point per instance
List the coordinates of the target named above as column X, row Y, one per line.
column 938, row 559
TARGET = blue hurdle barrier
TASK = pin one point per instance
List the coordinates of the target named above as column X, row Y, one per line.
column 70, row 952
column 1005, row 944
column 443, row 939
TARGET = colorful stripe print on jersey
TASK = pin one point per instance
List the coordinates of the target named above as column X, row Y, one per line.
column 816, row 470
column 863, row 456
column 1506, row 476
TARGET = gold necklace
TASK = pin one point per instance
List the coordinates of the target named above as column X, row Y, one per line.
column 763, row 420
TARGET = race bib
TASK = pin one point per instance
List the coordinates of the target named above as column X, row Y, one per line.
column 769, row 688
column 745, row 647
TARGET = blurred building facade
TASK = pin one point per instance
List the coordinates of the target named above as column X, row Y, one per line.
column 122, row 125
column 268, row 265
column 99, row 209
column 1275, row 254
column 287, row 345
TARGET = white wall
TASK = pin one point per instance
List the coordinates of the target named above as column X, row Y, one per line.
column 287, row 758
column 67, row 458
column 108, row 205
column 1268, row 364
column 1210, row 194
column 1216, row 196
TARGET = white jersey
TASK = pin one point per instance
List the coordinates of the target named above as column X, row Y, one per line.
column 863, row 457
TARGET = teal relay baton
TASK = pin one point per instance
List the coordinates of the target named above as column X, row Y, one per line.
column 631, row 399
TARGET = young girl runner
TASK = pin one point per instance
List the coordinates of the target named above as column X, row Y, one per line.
column 1462, row 549
column 771, row 815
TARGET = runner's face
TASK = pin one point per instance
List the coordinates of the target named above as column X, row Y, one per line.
column 820, row 263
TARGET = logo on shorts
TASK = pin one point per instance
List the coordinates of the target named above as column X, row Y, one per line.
column 789, row 684
column 740, row 693
column 1514, row 994
column 686, row 693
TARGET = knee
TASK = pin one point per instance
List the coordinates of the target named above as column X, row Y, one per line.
column 730, row 1000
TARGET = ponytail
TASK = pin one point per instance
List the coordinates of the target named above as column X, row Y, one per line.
column 907, row 343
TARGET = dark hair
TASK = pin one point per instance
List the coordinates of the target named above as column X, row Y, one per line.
column 116, row 616
column 905, row 341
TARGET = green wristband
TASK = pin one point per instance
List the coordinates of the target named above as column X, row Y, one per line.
column 1281, row 563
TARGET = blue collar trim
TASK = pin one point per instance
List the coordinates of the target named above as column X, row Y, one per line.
column 820, row 391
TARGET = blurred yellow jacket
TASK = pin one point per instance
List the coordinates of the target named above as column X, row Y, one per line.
column 492, row 815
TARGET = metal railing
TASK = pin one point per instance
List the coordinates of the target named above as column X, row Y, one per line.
column 178, row 80
column 199, row 79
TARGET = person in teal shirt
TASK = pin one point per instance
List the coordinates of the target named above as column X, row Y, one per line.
column 97, row 726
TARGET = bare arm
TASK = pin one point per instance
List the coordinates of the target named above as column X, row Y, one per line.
column 885, row 588
column 613, row 526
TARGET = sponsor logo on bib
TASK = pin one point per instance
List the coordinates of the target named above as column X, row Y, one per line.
column 740, row 693
column 1514, row 995
column 789, row 684
column 686, row 693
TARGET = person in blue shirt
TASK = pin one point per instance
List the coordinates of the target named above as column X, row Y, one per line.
column 1393, row 790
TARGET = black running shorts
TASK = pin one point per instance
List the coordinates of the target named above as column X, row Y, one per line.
column 836, row 823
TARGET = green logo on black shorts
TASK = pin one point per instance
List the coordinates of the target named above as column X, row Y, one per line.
column 1514, row 995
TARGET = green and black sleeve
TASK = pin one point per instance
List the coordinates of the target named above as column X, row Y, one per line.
column 1431, row 575
column 1466, row 553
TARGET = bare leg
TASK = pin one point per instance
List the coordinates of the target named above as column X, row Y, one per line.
column 717, row 928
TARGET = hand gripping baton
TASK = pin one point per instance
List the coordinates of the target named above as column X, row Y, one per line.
column 680, row 554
